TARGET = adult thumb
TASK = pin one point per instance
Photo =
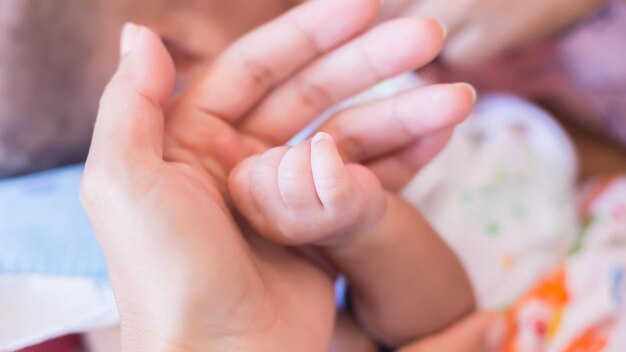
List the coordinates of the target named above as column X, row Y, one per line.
column 129, row 129
column 131, row 114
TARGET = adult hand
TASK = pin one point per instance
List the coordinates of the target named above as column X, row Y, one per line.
column 184, row 273
column 481, row 30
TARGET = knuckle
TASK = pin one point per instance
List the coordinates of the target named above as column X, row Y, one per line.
column 398, row 116
column 261, row 73
column 351, row 145
column 311, row 94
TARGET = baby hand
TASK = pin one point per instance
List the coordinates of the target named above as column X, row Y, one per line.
column 304, row 194
column 307, row 195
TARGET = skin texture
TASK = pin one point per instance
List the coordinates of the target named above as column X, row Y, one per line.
column 185, row 274
column 478, row 29
column 306, row 193
column 70, row 82
column 475, row 333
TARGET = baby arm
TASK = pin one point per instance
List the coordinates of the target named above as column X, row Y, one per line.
column 306, row 194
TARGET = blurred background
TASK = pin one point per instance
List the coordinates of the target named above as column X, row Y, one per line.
column 564, row 56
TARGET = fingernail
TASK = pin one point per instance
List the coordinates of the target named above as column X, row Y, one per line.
column 444, row 28
column 470, row 89
column 320, row 136
column 129, row 34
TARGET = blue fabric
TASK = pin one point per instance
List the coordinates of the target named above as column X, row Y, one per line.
column 44, row 229
column 341, row 293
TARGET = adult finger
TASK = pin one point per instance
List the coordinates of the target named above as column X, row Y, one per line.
column 488, row 34
column 453, row 14
column 390, row 49
column 259, row 61
column 478, row 42
column 396, row 170
column 369, row 132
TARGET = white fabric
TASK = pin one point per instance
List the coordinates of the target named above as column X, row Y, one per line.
column 502, row 195
column 37, row 308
